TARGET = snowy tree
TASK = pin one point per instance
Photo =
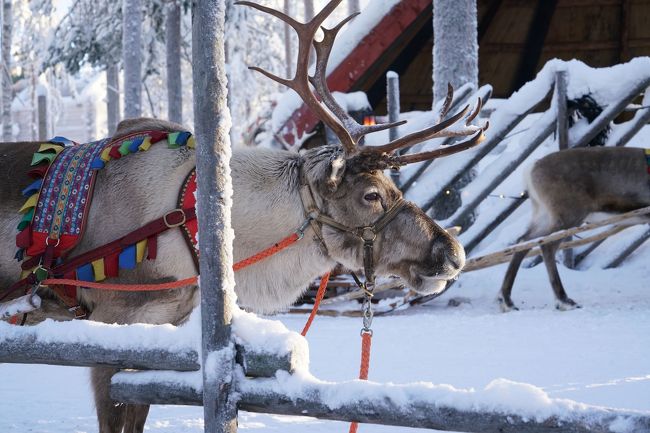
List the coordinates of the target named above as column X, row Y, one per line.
column 7, row 93
column 112, row 96
column 455, row 45
column 173, row 56
column 132, row 57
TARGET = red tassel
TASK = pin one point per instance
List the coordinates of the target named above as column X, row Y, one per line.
column 115, row 152
column 156, row 136
column 112, row 265
column 39, row 171
column 24, row 238
column 152, row 247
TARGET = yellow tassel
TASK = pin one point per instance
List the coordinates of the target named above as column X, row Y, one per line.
column 146, row 144
column 105, row 154
column 30, row 203
column 140, row 248
column 49, row 146
column 25, row 274
column 647, row 151
column 98, row 269
column 191, row 142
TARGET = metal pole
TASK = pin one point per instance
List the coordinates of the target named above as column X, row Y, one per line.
column 212, row 124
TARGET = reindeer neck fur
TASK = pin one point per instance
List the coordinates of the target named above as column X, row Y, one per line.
column 266, row 208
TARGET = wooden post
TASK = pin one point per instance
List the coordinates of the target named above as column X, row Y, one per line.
column 42, row 117
column 211, row 125
column 562, row 135
column 393, row 105
column 560, row 96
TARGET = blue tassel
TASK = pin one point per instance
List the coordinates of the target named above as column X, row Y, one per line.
column 20, row 254
column 135, row 144
column 182, row 138
column 127, row 258
column 97, row 164
column 85, row 273
column 33, row 188
column 62, row 140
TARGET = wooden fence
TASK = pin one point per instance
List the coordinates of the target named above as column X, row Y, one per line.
column 237, row 377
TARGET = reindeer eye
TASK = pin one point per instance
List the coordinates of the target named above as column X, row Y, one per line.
column 372, row 196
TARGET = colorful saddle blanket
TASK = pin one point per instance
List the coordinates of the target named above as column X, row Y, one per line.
column 59, row 199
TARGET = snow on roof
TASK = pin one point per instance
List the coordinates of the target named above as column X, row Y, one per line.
column 344, row 45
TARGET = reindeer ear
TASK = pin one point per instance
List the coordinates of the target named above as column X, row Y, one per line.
column 327, row 174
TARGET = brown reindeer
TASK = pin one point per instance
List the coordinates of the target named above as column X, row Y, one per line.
column 565, row 187
column 341, row 186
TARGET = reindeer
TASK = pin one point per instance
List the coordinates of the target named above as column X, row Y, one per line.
column 565, row 187
column 340, row 187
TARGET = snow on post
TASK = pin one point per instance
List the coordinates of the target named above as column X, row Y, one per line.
column 393, row 106
column 173, row 56
column 455, row 45
column 214, row 201
column 132, row 57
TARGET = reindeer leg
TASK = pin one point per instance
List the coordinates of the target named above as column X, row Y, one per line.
column 563, row 300
column 110, row 415
column 504, row 299
column 136, row 416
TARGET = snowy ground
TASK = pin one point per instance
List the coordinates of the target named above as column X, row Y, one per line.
column 598, row 354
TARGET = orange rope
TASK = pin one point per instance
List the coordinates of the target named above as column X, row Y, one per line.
column 121, row 287
column 319, row 297
column 366, row 341
column 284, row 243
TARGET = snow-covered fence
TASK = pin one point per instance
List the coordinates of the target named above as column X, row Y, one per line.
column 570, row 80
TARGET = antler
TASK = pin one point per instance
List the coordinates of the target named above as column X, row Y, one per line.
column 348, row 130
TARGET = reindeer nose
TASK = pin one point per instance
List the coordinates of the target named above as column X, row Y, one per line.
column 456, row 257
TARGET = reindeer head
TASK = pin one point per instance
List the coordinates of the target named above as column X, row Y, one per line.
column 364, row 221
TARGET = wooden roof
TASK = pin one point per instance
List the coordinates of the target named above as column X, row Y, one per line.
column 516, row 38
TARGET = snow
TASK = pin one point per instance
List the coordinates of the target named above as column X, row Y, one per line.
column 349, row 38
column 531, row 361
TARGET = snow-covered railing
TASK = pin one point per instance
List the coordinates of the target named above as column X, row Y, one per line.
column 503, row 406
column 614, row 96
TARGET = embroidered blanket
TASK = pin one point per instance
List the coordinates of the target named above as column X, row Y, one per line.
column 60, row 198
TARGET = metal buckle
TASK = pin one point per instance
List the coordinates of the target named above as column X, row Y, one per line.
column 171, row 226
column 368, row 234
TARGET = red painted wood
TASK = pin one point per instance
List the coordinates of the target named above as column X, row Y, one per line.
column 362, row 57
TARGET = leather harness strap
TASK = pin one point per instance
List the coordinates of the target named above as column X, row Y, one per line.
column 367, row 233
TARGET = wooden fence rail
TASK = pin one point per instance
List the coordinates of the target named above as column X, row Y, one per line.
column 375, row 403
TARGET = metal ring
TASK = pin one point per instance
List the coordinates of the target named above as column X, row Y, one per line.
column 171, row 226
column 47, row 241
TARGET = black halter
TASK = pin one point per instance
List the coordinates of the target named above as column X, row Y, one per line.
column 368, row 234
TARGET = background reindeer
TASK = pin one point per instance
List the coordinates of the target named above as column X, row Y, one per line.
column 565, row 187
column 348, row 190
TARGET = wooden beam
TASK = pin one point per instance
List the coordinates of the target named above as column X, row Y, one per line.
column 543, row 133
column 487, row 19
column 28, row 349
column 535, row 38
column 629, row 250
column 624, row 52
column 496, row 135
column 375, row 405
